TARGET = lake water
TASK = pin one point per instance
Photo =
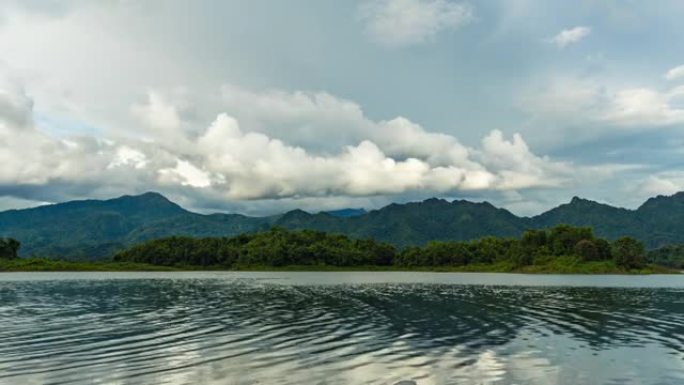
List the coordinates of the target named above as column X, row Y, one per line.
column 340, row 328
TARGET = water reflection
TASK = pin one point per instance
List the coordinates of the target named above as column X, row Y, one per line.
column 245, row 331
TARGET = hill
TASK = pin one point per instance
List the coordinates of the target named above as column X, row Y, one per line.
column 81, row 228
column 92, row 229
column 607, row 221
column 417, row 223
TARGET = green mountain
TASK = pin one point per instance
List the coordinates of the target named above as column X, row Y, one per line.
column 82, row 228
column 607, row 221
column 92, row 229
column 415, row 223
column 664, row 216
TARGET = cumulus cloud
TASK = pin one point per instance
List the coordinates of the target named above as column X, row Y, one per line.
column 646, row 107
column 24, row 152
column 408, row 22
column 570, row 36
column 185, row 174
column 588, row 103
column 307, row 119
column 34, row 160
column 229, row 160
column 250, row 165
column 399, row 138
column 126, row 156
column 517, row 166
column 675, row 73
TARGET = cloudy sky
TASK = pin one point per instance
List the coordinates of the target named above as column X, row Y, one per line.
column 262, row 106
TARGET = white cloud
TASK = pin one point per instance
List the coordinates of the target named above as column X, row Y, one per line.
column 662, row 183
column 675, row 73
column 517, row 166
column 158, row 114
column 570, row 36
column 236, row 163
column 125, row 156
column 185, row 174
column 32, row 159
column 25, row 153
column 583, row 104
column 307, row 119
column 645, row 107
column 403, row 138
column 255, row 166
column 409, row 22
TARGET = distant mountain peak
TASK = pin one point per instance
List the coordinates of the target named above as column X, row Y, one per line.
column 660, row 200
column 465, row 202
column 489, row 205
column 583, row 202
column 296, row 213
column 675, row 196
column 146, row 201
column 580, row 202
column 148, row 196
column 577, row 199
column 435, row 201
column 152, row 194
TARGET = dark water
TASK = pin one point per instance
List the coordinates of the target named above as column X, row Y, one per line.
column 340, row 328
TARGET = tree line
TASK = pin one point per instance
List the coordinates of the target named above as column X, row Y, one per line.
column 669, row 255
column 280, row 247
column 9, row 248
column 533, row 247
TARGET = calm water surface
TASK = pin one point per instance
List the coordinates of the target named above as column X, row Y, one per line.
column 340, row 328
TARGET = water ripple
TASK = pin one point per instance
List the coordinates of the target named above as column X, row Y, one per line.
column 187, row 331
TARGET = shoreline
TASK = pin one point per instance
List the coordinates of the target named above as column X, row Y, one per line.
column 585, row 268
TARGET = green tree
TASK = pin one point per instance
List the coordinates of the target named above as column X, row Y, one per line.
column 534, row 239
column 628, row 253
column 670, row 255
column 563, row 238
column 603, row 249
column 9, row 248
column 587, row 250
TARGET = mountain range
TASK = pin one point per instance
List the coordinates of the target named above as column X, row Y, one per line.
column 94, row 229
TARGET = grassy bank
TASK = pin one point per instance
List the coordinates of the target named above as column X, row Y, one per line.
column 564, row 265
column 579, row 268
column 43, row 264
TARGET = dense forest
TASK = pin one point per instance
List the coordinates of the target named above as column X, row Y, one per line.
column 275, row 247
column 9, row 248
column 280, row 247
column 670, row 256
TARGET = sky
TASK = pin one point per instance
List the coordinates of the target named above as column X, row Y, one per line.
column 260, row 107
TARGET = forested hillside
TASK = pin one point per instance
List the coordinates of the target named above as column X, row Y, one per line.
column 95, row 229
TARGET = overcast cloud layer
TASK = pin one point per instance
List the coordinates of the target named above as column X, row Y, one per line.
column 260, row 107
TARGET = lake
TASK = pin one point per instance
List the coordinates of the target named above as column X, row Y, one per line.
column 340, row 328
